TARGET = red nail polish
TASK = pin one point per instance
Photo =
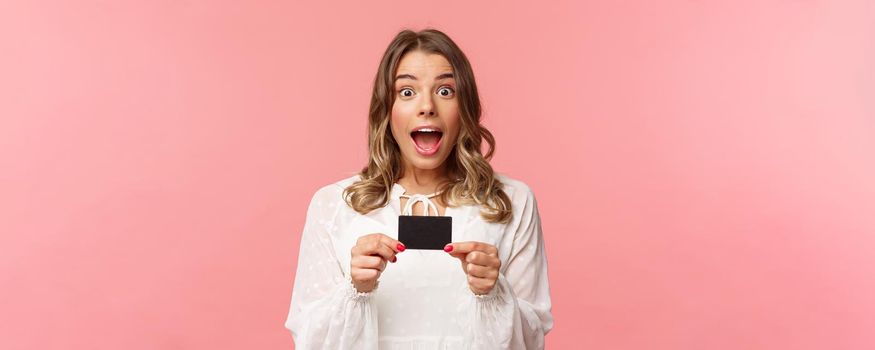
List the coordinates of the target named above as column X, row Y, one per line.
column 448, row 248
column 394, row 258
column 401, row 247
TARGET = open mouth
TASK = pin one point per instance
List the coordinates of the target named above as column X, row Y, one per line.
column 427, row 140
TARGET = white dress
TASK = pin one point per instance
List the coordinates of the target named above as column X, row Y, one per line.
column 422, row 301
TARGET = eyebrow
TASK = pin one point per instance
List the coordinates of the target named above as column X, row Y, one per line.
column 410, row 76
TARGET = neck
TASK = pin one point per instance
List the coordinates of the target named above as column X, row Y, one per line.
column 423, row 181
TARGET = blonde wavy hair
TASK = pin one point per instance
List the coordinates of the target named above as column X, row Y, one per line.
column 472, row 178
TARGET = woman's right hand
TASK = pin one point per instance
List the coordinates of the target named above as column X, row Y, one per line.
column 369, row 257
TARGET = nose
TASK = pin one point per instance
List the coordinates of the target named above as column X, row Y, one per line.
column 427, row 107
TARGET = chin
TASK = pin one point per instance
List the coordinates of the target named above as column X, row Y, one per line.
column 428, row 164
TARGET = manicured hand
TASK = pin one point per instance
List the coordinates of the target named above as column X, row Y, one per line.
column 369, row 257
column 479, row 261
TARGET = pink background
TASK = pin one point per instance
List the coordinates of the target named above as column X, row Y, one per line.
column 705, row 170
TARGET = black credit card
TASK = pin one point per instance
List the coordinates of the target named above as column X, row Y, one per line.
column 425, row 232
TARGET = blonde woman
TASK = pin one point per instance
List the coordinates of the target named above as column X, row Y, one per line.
column 358, row 287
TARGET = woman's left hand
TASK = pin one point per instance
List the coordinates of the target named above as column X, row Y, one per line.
column 479, row 261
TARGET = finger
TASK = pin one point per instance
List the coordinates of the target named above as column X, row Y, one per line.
column 397, row 245
column 459, row 255
column 392, row 243
column 375, row 247
column 481, row 258
column 366, row 240
column 364, row 245
column 384, row 252
column 359, row 274
column 481, row 271
column 456, row 254
column 368, row 262
column 467, row 247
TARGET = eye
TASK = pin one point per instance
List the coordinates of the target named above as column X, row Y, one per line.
column 406, row 92
column 446, row 91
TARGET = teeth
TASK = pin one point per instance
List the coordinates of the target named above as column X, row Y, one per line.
column 427, row 130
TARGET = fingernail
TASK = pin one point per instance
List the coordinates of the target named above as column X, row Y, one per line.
column 448, row 248
column 401, row 247
column 394, row 258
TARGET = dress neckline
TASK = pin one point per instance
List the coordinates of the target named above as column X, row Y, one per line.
column 398, row 192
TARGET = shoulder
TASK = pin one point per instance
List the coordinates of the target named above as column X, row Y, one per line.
column 523, row 203
column 333, row 191
column 518, row 191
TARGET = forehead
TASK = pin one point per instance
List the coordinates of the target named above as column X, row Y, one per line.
column 424, row 63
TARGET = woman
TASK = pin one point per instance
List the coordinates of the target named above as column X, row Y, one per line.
column 357, row 287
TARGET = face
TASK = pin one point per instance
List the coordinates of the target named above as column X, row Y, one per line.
column 425, row 115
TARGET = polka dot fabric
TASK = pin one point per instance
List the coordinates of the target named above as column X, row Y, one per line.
column 422, row 301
